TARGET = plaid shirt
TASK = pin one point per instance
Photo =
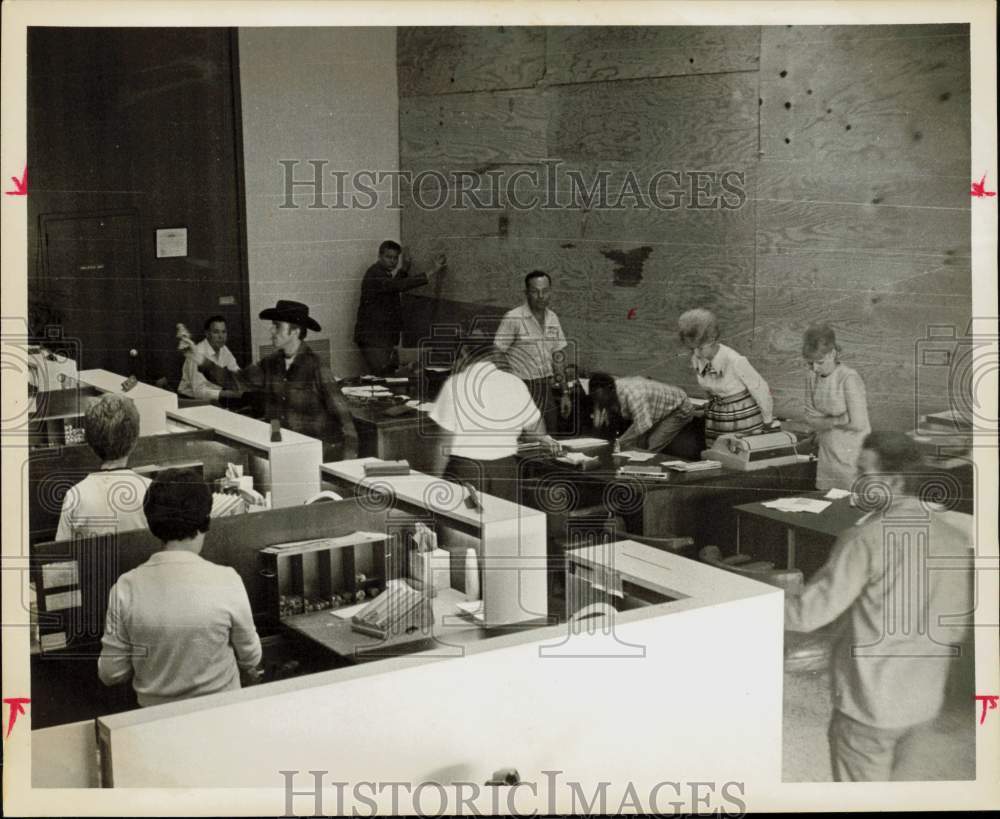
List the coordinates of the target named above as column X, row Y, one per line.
column 645, row 402
column 305, row 396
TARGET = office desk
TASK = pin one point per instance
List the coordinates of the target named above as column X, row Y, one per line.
column 695, row 504
column 406, row 437
column 828, row 524
column 449, row 634
column 288, row 469
column 510, row 539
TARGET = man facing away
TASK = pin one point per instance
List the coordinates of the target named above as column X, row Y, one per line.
column 903, row 575
column 380, row 312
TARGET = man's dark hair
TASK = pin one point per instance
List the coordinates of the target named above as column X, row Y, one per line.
column 388, row 244
column 897, row 454
column 211, row 320
column 177, row 505
column 602, row 381
column 536, row 274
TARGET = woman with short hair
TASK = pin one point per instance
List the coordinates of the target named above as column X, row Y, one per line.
column 109, row 500
column 179, row 626
column 836, row 408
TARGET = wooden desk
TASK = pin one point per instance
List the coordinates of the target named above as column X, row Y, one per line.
column 829, row 523
column 510, row 539
column 408, row 437
column 288, row 469
column 694, row 504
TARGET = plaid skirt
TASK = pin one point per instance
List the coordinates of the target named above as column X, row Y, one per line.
column 735, row 413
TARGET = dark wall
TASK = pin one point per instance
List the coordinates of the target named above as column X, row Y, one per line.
column 141, row 122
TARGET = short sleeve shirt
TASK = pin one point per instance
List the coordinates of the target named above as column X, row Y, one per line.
column 528, row 345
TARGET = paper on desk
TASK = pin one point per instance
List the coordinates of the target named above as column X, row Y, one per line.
column 575, row 458
column 396, row 379
column 426, row 406
column 797, row 505
column 473, row 608
column 697, row 402
column 582, row 443
column 635, row 455
column 837, row 494
column 347, row 612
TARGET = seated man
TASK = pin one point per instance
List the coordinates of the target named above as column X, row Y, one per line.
column 109, row 500
column 902, row 577
column 178, row 625
column 299, row 390
column 654, row 413
column 194, row 384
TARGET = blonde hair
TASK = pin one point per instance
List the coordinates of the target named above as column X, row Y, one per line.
column 697, row 327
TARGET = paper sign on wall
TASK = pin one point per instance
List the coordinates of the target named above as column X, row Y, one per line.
column 171, row 242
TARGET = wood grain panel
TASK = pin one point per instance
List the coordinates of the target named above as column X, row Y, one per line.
column 903, row 182
column 819, row 227
column 946, row 273
column 904, row 95
column 472, row 129
column 446, row 60
column 601, row 53
column 694, row 119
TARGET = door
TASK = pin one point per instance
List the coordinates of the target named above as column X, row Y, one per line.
column 91, row 287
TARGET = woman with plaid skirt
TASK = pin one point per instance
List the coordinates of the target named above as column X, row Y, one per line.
column 739, row 399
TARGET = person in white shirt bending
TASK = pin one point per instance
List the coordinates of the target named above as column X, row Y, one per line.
column 482, row 411
column 179, row 626
column 194, row 384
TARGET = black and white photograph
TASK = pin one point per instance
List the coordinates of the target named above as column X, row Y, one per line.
column 477, row 409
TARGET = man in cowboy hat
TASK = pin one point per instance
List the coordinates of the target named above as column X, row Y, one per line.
column 299, row 390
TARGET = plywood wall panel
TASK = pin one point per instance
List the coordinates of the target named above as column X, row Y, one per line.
column 695, row 119
column 600, row 53
column 446, row 60
column 472, row 129
column 866, row 99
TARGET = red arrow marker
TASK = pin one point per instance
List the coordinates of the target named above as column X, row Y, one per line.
column 978, row 189
column 16, row 707
column 20, row 185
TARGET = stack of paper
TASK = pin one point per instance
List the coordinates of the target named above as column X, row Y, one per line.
column 374, row 391
column 582, row 443
column 837, row 494
column 426, row 406
column 692, row 466
column 576, row 458
column 813, row 505
column 635, row 455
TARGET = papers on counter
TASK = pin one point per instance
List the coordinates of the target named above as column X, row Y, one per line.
column 837, row 494
column 426, row 406
column 639, row 457
column 692, row 466
column 813, row 505
column 582, row 443
column 576, row 458
column 374, row 391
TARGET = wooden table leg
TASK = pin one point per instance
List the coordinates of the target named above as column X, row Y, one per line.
column 791, row 547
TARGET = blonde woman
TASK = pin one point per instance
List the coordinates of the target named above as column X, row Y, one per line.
column 835, row 407
column 740, row 400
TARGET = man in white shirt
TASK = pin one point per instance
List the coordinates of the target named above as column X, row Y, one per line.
column 178, row 625
column 533, row 339
column 194, row 384
column 483, row 411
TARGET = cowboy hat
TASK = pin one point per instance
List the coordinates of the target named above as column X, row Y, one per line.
column 294, row 312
